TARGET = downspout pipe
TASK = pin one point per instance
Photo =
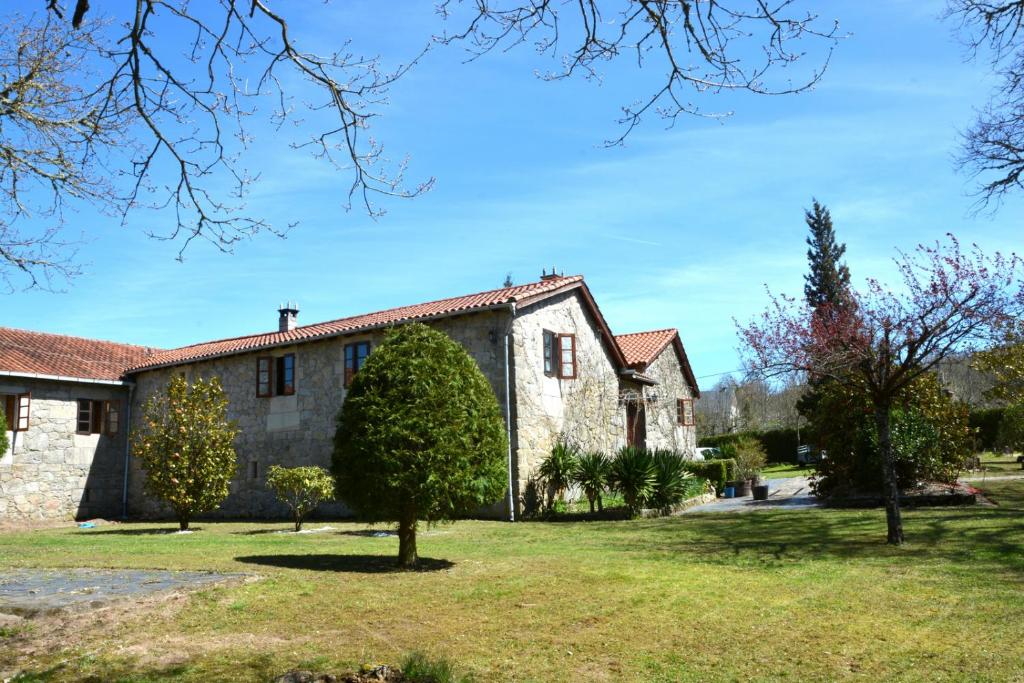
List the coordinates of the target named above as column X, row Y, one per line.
column 127, row 451
column 508, row 413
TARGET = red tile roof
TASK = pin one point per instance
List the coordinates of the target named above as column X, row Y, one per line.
column 39, row 353
column 496, row 297
column 641, row 348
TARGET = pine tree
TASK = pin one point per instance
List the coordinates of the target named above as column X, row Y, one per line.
column 828, row 281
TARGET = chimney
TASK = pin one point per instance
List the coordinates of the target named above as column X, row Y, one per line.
column 544, row 275
column 289, row 313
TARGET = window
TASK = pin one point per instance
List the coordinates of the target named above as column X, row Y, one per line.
column 355, row 358
column 254, row 469
column 684, row 412
column 284, row 371
column 16, row 411
column 264, row 373
column 90, row 416
column 550, row 351
column 112, row 410
column 275, row 376
column 567, row 356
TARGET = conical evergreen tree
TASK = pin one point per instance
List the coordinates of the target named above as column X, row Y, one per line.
column 828, row 281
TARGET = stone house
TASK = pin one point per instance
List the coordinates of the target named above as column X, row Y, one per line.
column 556, row 369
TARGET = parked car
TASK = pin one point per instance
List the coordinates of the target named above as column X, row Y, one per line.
column 708, row 453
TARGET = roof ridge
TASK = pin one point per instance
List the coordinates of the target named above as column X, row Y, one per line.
column 663, row 329
column 561, row 279
column 93, row 340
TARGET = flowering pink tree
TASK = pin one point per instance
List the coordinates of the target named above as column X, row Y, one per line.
column 950, row 301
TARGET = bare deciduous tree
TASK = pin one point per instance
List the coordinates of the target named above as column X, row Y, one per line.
column 157, row 96
column 993, row 146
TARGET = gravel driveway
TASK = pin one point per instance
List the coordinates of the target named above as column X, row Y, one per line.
column 793, row 493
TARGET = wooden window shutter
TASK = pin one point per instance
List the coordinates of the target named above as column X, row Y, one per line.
column 9, row 403
column 264, row 376
column 112, row 409
column 567, row 356
column 22, row 415
column 84, row 421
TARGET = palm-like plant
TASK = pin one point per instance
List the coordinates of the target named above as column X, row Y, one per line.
column 558, row 468
column 670, row 478
column 633, row 475
column 592, row 470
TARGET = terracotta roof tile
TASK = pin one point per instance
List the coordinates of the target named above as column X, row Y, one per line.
column 641, row 348
column 40, row 353
column 505, row 295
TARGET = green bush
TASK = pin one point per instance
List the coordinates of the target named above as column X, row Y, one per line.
column 749, row 456
column 670, row 479
column 418, row 668
column 1011, row 429
column 714, row 471
column 634, row 476
column 592, row 471
column 186, row 444
column 984, row 425
column 300, row 488
column 779, row 444
column 420, row 436
column 558, row 468
column 3, row 433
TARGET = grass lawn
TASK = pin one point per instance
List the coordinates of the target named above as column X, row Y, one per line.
column 810, row 595
column 786, row 470
column 998, row 463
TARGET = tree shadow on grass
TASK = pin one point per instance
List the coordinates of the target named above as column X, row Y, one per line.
column 169, row 531
column 358, row 564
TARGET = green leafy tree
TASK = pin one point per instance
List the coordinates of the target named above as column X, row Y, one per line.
column 302, row 489
column 420, row 436
column 828, row 281
column 3, row 433
column 592, row 472
column 1011, row 429
column 1005, row 363
column 558, row 468
column 186, row 445
column 634, row 476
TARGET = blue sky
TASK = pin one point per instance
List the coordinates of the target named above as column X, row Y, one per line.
column 679, row 228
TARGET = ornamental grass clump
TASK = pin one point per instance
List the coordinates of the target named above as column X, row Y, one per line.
column 633, row 475
column 302, row 489
column 558, row 468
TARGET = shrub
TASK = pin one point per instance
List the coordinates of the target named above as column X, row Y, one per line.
column 3, row 433
column 186, row 445
column 670, row 479
column 300, row 488
column 418, row 668
column 749, row 456
column 1011, row 429
column 592, row 470
column 420, row 435
column 558, row 468
column 780, row 445
column 984, row 425
column 714, row 471
column 633, row 475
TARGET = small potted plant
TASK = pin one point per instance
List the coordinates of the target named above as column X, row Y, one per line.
column 750, row 458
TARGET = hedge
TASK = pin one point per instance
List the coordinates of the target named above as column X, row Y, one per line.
column 779, row 444
column 985, row 425
column 716, row 471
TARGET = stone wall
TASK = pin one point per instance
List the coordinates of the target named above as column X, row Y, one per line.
column 299, row 429
column 585, row 409
column 49, row 471
column 663, row 428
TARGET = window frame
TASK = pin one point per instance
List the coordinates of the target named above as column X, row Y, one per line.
column 96, row 417
column 549, row 353
column 282, row 387
column 356, row 365
column 269, row 383
column 561, row 359
column 22, row 412
column 682, row 406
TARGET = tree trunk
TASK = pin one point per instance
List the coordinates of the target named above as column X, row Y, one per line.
column 407, row 556
column 600, row 503
column 893, row 520
column 298, row 522
column 591, row 499
column 183, row 522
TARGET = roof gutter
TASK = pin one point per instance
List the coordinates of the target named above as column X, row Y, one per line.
column 62, row 378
